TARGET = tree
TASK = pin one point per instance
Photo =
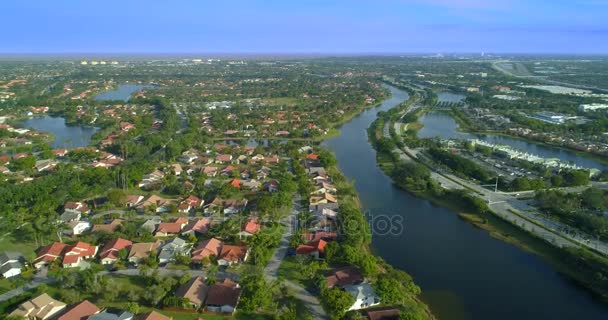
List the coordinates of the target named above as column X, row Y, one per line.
column 336, row 301
column 133, row 307
column 117, row 197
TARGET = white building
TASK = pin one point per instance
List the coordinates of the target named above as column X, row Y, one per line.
column 364, row 295
column 593, row 106
column 10, row 264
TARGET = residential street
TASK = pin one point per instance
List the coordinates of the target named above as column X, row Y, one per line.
column 311, row 302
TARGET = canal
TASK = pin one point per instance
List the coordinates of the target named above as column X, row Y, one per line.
column 464, row 273
column 442, row 125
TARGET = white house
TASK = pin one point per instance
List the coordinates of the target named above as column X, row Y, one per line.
column 172, row 248
column 364, row 295
column 78, row 227
column 10, row 264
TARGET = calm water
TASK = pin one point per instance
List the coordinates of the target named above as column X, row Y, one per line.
column 442, row 125
column 446, row 96
column 464, row 273
column 65, row 136
column 123, row 92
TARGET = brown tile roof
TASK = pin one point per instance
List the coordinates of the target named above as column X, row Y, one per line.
column 194, row 290
column 152, row 315
column 344, row 276
column 109, row 227
column 80, row 311
column 224, row 293
column 233, row 253
column 386, row 313
column 143, row 250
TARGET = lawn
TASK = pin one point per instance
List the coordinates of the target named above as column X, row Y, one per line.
column 27, row 249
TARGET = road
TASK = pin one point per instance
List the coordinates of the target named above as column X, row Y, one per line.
column 312, row 303
column 508, row 207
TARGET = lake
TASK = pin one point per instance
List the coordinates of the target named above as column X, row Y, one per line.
column 439, row 124
column 465, row 274
column 65, row 136
column 123, row 92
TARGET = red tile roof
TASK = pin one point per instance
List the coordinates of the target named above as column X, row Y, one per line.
column 252, row 226
column 80, row 311
column 110, row 250
column 315, row 246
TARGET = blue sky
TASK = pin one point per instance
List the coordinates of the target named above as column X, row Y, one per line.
column 303, row 26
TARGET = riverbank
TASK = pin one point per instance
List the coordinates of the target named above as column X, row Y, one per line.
column 579, row 265
column 465, row 126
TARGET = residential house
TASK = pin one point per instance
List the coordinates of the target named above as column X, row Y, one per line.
column 251, row 184
column 272, row 159
column 223, row 297
column 190, row 203
column 152, row 315
column 166, row 229
column 320, row 235
column 112, row 314
column 40, row 308
column 141, row 251
column 206, row 249
column 126, row 126
column 320, row 207
column 75, row 228
column 210, row 171
column 152, row 179
column 108, row 227
column 324, row 198
column 150, row 225
column 364, row 295
column 232, row 255
column 195, row 291
column 272, row 186
column 11, row 264
column 159, row 204
column 344, row 276
column 48, row 254
column 176, row 168
column 383, row 313
column 80, row 311
column 263, row 173
column 227, row 171
column 223, row 158
column 199, row 226
column 232, row 206
column 74, row 255
column 133, row 200
column 251, row 227
column 315, row 249
column 188, row 156
column 69, row 216
column 324, row 212
column 110, row 252
column 174, row 247
column 258, row 157
column 76, row 207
